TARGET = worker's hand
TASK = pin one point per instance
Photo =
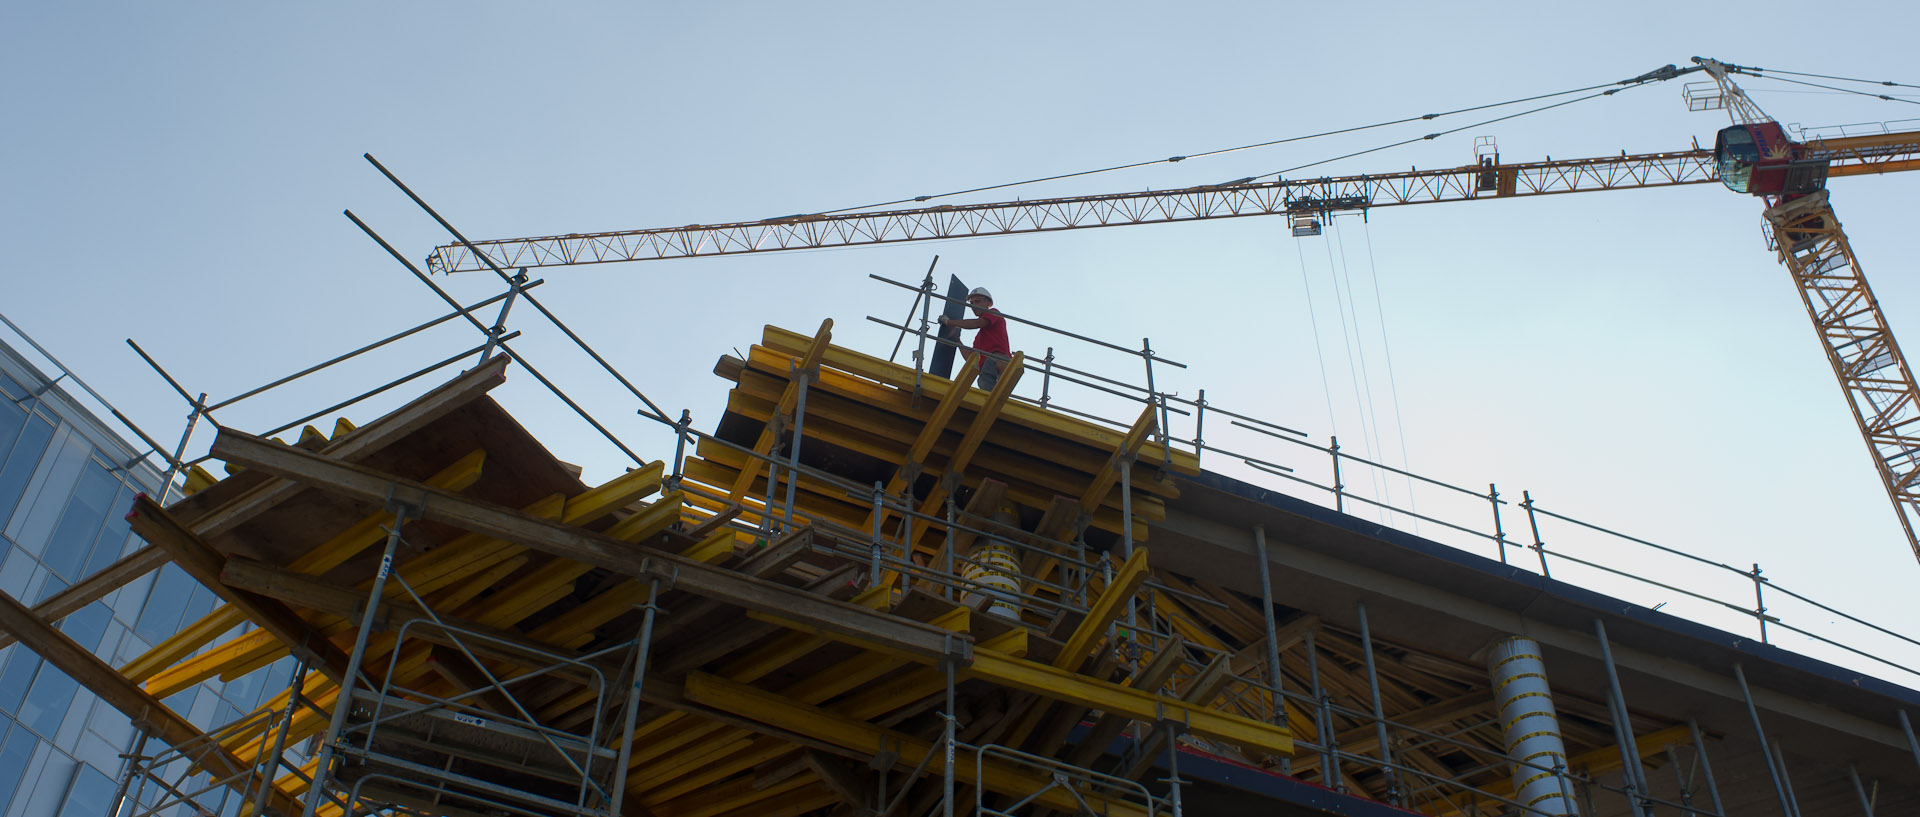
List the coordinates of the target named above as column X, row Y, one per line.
column 943, row 320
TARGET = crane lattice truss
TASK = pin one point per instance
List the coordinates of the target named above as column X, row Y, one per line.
column 1879, row 385
column 1046, row 215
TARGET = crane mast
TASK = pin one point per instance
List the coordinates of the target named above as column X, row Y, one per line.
column 1753, row 156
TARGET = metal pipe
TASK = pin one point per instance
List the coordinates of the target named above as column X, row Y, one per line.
column 1199, row 420
column 1780, row 760
column 879, row 493
column 1126, row 526
column 800, row 379
column 133, row 766
column 1499, row 533
column 1046, row 378
column 633, row 695
column 180, row 450
column 343, row 700
column 503, row 275
column 1173, row 765
column 1759, row 603
column 272, row 760
column 1860, row 790
column 1753, row 712
column 1379, row 714
column 1273, row 639
column 1706, row 766
column 1906, row 726
column 1533, row 523
column 1339, row 496
column 500, row 323
column 1323, row 722
column 679, row 447
column 1623, row 722
column 951, row 718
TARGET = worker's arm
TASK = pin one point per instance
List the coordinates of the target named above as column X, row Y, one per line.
column 964, row 323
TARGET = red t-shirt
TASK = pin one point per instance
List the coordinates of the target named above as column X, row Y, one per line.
column 993, row 336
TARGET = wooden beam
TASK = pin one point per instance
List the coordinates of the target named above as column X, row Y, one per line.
column 200, row 561
column 1122, row 456
column 95, row 587
column 361, row 442
column 723, row 585
column 983, row 421
column 145, row 710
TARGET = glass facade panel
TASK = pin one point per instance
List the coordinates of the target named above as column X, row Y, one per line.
column 47, row 700
column 15, row 750
column 79, row 526
column 21, row 462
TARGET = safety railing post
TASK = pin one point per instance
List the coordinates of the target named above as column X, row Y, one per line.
column 1533, row 524
column 679, row 447
column 1499, row 533
column 499, row 327
column 1046, row 379
column 1759, row 602
column 1339, row 490
column 1199, row 425
column 926, row 313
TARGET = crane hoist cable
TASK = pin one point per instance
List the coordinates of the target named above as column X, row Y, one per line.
column 1650, row 76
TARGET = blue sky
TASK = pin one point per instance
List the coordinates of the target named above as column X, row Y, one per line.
column 176, row 174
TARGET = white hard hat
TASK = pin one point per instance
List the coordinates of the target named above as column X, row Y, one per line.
column 982, row 292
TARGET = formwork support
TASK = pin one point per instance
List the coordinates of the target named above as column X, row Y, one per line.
column 1706, row 766
column 1760, row 737
column 1623, row 726
column 1274, row 678
column 1379, row 714
column 343, row 702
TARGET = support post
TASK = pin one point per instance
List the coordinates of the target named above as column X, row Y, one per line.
column 1623, row 726
column 1126, row 530
column 1780, row 762
column 926, row 314
column 1379, row 714
column 179, row 450
column 1860, row 790
column 679, row 447
column 271, row 761
column 1199, row 424
column 343, row 701
column 1906, row 726
column 1759, row 603
column 951, row 717
column 879, row 496
column 1323, row 721
column 1760, row 734
column 1273, row 640
column 134, row 762
column 1706, row 767
column 1173, row 765
column 632, row 712
column 801, row 378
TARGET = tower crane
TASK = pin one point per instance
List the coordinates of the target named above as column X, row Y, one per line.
column 1754, row 155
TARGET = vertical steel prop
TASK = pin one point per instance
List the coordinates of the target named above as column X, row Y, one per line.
column 1860, row 790
column 1323, row 722
column 1706, row 767
column 343, row 700
column 800, row 378
column 1906, row 726
column 1623, row 725
column 1780, row 762
column 632, row 713
column 1760, row 735
column 1379, row 714
column 1273, row 639
column 133, row 767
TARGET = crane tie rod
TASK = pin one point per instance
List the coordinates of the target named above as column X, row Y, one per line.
column 1658, row 74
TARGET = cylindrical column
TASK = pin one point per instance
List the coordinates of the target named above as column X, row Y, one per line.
column 994, row 570
column 1531, row 729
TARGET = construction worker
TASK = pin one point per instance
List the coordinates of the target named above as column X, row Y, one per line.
column 990, row 340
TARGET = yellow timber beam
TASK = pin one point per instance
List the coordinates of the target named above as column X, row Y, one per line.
column 1060, row 685
column 1105, row 610
column 976, row 433
column 1122, row 457
column 865, row 740
column 1592, row 763
column 806, row 365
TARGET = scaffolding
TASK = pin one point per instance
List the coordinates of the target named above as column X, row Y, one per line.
column 868, row 587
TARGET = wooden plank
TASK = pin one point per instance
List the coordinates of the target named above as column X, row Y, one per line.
column 146, row 711
column 359, row 443
column 155, row 525
column 95, row 587
column 727, row 586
